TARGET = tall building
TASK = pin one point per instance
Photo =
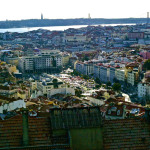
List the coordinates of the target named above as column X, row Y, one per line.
column 41, row 16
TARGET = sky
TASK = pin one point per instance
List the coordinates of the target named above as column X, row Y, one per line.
column 62, row 9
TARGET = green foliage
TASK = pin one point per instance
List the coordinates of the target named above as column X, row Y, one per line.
column 86, row 77
column 55, row 83
column 116, row 87
column 78, row 92
column 97, row 80
column 108, row 83
column 147, row 98
column 76, row 73
column 146, row 65
column 97, row 86
column 53, row 61
column 85, row 58
column 115, row 80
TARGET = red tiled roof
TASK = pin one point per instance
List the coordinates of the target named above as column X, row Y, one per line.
column 11, row 132
column 124, row 134
column 118, row 134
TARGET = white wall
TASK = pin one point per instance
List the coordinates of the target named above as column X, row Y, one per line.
column 96, row 101
column 61, row 91
column 12, row 105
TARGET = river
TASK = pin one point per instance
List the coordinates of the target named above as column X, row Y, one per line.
column 51, row 28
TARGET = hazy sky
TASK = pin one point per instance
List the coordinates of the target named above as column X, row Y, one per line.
column 51, row 9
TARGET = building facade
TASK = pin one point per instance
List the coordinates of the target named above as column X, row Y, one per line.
column 45, row 62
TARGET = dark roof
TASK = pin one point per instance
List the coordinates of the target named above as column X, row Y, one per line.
column 75, row 117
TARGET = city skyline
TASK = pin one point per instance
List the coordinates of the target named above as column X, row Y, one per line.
column 16, row 10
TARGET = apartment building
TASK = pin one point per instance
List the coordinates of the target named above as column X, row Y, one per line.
column 46, row 85
column 80, row 67
column 104, row 74
column 120, row 75
column 75, row 38
column 44, row 62
column 112, row 74
column 143, row 89
column 132, row 77
column 97, row 71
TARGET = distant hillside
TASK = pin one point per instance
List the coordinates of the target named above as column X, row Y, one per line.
column 66, row 22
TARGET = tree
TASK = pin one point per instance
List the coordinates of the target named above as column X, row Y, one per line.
column 76, row 73
column 146, row 65
column 147, row 98
column 97, row 86
column 53, row 61
column 115, row 80
column 116, row 87
column 55, row 83
column 108, row 84
column 86, row 58
column 78, row 92
column 86, row 77
column 97, row 80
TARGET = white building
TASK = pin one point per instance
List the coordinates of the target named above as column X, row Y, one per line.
column 143, row 89
column 64, row 91
column 46, row 84
column 112, row 74
column 132, row 77
column 45, row 61
column 75, row 38
column 120, row 75
column 103, row 74
column 80, row 67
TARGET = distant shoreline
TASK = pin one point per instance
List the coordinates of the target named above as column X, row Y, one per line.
column 52, row 28
column 67, row 22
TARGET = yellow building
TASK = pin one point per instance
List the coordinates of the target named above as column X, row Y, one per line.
column 12, row 68
column 106, row 95
column 33, row 86
column 65, row 60
column 13, row 61
column 22, row 94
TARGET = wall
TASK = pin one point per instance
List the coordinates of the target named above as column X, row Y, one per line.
column 22, row 95
column 34, row 85
column 95, row 101
column 86, row 139
column 61, row 91
column 13, row 105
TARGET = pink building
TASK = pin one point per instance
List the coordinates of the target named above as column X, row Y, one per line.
column 136, row 35
column 145, row 54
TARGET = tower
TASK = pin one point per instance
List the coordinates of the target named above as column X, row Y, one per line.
column 147, row 18
column 41, row 16
column 89, row 16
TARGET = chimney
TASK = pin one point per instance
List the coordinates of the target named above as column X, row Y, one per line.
column 25, row 127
